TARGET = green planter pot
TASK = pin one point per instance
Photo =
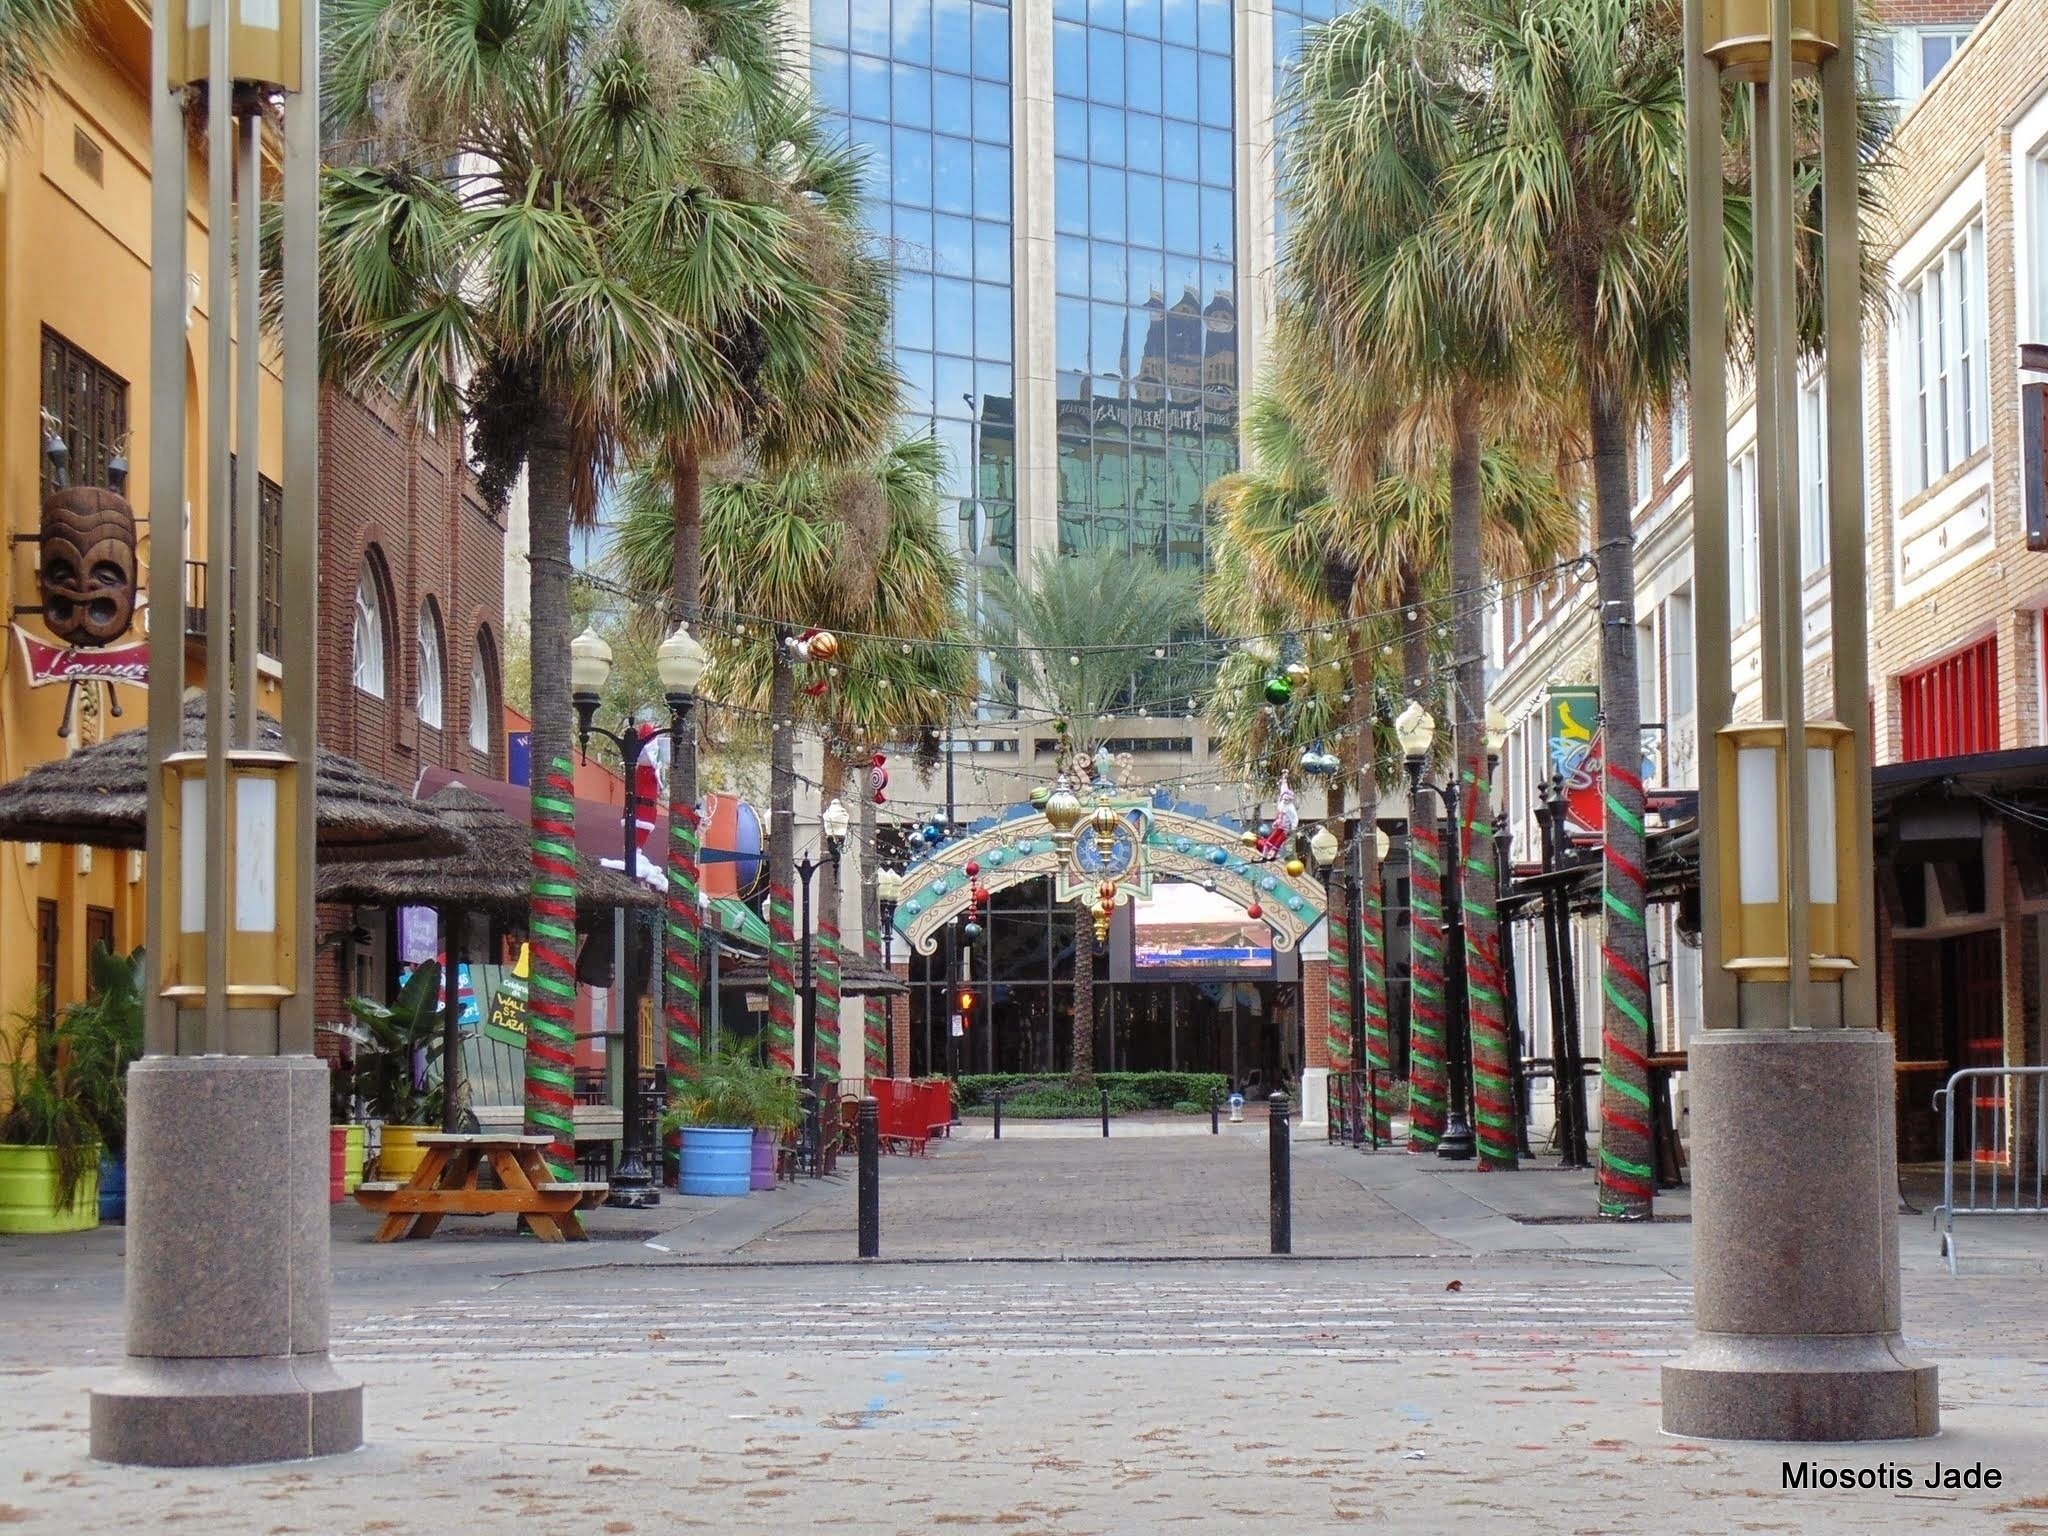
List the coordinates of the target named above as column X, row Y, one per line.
column 28, row 1193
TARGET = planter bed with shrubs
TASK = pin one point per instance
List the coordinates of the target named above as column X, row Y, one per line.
column 1049, row 1096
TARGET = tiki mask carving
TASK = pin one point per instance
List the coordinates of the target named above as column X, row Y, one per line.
column 88, row 565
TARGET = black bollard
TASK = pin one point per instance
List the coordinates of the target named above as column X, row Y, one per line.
column 1280, row 1182
column 1105, row 1112
column 1214, row 1099
column 870, row 1179
column 997, row 1100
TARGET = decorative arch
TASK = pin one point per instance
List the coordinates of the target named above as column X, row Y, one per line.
column 432, row 647
column 1167, row 839
column 486, row 716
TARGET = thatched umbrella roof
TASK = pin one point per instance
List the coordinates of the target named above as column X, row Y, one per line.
column 492, row 878
column 858, row 976
column 99, row 797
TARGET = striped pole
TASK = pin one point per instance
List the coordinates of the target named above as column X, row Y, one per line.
column 1427, row 1013
column 781, row 979
column 828, row 992
column 682, row 928
column 1379, row 1044
column 874, row 1044
column 1625, row 1166
column 1339, row 966
column 551, row 981
column 1493, row 1094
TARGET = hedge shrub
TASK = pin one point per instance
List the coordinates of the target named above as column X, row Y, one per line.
column 1129, row 1092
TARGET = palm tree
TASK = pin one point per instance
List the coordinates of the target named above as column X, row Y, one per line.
column 1410, row 355
column 1081, row 633
column 1570, row 199
column 503, row 289
column 31, row 34
column 858, row 551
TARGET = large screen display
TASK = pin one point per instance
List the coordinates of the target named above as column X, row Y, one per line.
column 1185, row 928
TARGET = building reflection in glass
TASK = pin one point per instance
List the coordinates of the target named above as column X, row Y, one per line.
column 1146, row 277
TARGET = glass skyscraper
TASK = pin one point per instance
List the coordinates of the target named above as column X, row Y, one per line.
column 924, row 87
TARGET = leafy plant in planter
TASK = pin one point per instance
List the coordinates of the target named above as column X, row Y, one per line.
column 731, row 1090
column 47, row 1108
column 398, row 1051
column 100, row 1037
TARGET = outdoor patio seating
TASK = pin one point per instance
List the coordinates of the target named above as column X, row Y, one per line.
column 446, row 1183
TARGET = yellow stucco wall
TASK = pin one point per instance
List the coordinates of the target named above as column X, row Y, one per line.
column 74, row 256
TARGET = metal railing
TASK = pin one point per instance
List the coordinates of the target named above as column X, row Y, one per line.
column 2005, row 1174
column 1357, row 1099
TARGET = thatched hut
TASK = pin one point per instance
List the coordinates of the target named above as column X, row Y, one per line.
column 100, row 797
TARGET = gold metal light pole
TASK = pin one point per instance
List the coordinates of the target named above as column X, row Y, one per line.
column 1794, row 1164
column 227, row 1263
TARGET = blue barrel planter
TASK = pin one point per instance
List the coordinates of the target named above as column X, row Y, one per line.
column 762, row 1174
column 113, row 1188
column 717, row 1160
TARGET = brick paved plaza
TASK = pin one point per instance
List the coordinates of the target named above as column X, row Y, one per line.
column 715, row 1367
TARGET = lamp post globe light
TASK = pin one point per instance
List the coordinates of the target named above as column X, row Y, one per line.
column 833, row 821
column 888, row 892
column 680, row 664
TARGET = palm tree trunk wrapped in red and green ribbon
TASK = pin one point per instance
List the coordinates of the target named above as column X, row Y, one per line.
column 682, row 926
column 1427, row 1015
column 1493, row 1097
column 1372, row 969
column 1625, row 1035
column 828, row 987
column 551, row 980
column 1339, row 965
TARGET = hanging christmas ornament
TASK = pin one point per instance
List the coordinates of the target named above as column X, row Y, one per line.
column 996, row 858
column 1295, row 867
column 1255, row 911
column 1106, row 890
column 1249, row 838
column 971, row 932
column 1278, row 691
column 823, row 646
column 979, row 895
column 1039, row 796
column 817, row 689
column 1218, row 856
column 1268, row 883
column 878, row 778
column 973, row 869
column 1297, row 674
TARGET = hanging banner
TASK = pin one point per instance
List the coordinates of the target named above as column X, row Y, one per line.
column 1572, row 730
column 50, row 664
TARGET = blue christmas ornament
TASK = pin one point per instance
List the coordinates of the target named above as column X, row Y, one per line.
column 1294, row 903
column 971, row 932
column 913, row 907
column 1218, row 856
column 1181, row 845
column 996, row 858
column 1268, row 883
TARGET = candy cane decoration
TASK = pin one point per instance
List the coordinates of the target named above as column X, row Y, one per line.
column 781, row 979
column 551, row 983
column 828, row 995
column 1339, row 1037
column 1426, row 1006
column 1493, row 1094
column 682, row 999
column 1625, row 1167
column 1372, row 975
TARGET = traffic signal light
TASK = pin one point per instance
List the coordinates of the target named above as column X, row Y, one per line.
column 966, row 1001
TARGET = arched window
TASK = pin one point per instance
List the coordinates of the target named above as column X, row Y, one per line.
column 480, row 698
column 369, row 633
column 430, row 666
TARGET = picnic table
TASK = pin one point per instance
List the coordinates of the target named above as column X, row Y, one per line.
column 445, row 1184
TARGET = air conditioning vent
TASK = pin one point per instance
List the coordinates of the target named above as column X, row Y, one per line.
column 87, row 155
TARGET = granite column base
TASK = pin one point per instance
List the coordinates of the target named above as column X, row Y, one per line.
column 1796, row 1245
column 228, row 1270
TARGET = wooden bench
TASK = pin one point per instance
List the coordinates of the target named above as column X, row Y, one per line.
column 445, row 1184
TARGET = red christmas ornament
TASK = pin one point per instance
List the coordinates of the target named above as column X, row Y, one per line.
column 980, row 895
column 1254, row 910
column 973, row 869
column 878, row 778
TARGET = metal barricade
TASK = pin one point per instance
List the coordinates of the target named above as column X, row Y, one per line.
column 2002, row 1145
column 1355, row 1105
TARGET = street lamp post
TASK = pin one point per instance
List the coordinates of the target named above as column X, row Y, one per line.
column 680, row 663
column 1417, row 731
column 888, row 891
column 834, row 821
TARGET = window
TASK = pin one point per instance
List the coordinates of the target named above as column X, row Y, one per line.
column 1649, row 702
column 479, row 701
column 1903, row 61
column 270, row 556
column 430, row 666
column 1678, row 655
column 2037, row 244
column 1944, row 388
column 1745, row 574
column 369, row 633
column 46, row 961
column 86, row 404
column 1639, row 462
column 1813, row 479
column 1679, row 426
column 1951, row 707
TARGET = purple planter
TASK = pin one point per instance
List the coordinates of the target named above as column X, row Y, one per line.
column 762, row 1174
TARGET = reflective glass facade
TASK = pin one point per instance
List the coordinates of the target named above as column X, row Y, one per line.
column 924, row 89
column 1144, row 208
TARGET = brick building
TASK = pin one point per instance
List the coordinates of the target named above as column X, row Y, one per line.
column 411, row 627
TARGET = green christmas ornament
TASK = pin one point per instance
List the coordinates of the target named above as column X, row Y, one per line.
column 1278, row 690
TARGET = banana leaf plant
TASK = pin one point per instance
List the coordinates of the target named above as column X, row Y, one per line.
column 398, row 1051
